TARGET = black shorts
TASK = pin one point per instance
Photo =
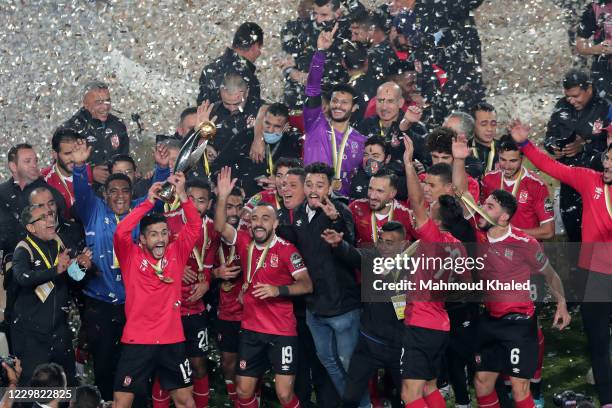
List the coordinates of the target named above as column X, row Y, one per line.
column 138, row 363
column 196, row 335
column 228, row 334
column 507, row 345
column 258, row 351
column 422, row 352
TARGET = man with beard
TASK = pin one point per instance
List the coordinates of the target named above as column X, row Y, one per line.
column 104, row 132
column 186, row 123
column 196, row 282
column 238, row 60
column 153, row 339
column 39, row 326
column 379, row 208
column 104, row 315
column 332, row 141
column 594, row 188
column 483, row 143
column 59, row 175
column 227, row 269
column 392, row 123
column 274, row 271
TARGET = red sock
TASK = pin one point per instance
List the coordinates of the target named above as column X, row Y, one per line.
column 526, row 403
column 420, row 403
column 373, row 389
column 201, row 392
column 294, row 403
column 248, row 402
column 161, row 397
column 489, row 401
column 435, row 400
column 538, row 373
column 230, row 387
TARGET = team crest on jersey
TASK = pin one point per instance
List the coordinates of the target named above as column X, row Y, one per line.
column 564, row 115
column 164, row 262
column 598, row 193
column 296, row 260
column 274, row 261
column 540, row 256
column 508, row 253
column 127, row 381
column 242, row 364
column 523, row 196
column 115, row 141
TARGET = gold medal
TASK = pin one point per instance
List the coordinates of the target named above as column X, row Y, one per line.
column 260, row 262
column 227, row 286
column 336, row 184
column 338, row 155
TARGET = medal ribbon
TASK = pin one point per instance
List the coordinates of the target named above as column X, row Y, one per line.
column 174, row 206
column 230, row 259
column 375, row 226
column 270, row 164
column 338, row 156
column 199, row 255
column 490, row 157
column 59, row 174
column 469, row 202
column 42, row 254
column 260, row 262
column 160, row 272
column 517, row 183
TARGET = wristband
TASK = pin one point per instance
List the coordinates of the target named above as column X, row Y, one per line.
column 523, row 143
column 283, row 290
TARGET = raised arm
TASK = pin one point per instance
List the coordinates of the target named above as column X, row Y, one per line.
column 461, row 151
column 225, row 184
column 85, row 199
column 415, row 192
column 315, row 73
column 190, row 233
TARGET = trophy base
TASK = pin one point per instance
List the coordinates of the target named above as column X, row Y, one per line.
column 166, row 193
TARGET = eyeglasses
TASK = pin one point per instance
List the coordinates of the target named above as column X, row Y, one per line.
column 43, row 217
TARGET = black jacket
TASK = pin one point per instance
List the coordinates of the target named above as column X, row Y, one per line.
column 361, row 181
column 229, row 63
column 380, row 58
column 365, row 86
column 477, row 164
column 378, row 318
column 107, row 138
column 335, row 289
column 13, row 200
column 566, row 123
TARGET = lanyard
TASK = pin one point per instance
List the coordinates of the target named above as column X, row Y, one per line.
column 608, row 200
column 260, row 262
column 337, row 156
column 469, row 201
column 59, row 174
column 159, row 272
column 375, row 226
column 489, row 159
column 354, row 77
column 199, row 255
column 230, row 259
column 42, row 254
column 517, row 183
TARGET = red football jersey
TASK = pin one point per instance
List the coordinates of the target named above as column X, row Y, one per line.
column 509, row 259
column 153, row 307
column 534, row 205
column 272, row 315
column 63, row 184
column 428, row 312
column 265, row 196
column 229, row 306
column 363, row 216
column 596, row 244
column 176, row 221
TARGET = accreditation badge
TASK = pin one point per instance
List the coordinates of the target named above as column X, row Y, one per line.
column 399, row 304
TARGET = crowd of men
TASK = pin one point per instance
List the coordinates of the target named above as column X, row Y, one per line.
column 382, row 146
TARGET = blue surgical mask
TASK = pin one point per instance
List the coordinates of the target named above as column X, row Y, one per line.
column 75, row 271
column 271, row 138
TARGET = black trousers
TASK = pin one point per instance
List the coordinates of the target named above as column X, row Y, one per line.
column 311, row 374
column 570, row 204
column 596, row 322
column 460, row 351
column 104, row 326
column 368, row 357
column 34, row 348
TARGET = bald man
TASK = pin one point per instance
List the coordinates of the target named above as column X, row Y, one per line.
column 392, row 123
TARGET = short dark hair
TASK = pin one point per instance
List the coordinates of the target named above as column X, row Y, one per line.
column 26, row 215
column 442, row 170
column 121, row 157
column 354, row 55
column 576, row 77
column 506, row 200
column 188, row 111
column 237, row 192
column 394, row 226
column 87, row 396
column 48, row 375
column 151, row 219
column 335, row 4
column 506, row 143
column 117, row 176
column 389, row 175
column 320, row 168
column 380, row 141
column 482, row 107
column 346, row 88
column 198, row 183
column 289, row 162
column 247, row 35
column 450, row 211
column 298, row 171
column 14, row 151
column 361, row 18
column 440, row 140
column 63, row 135
column 378, row 22
column 278, row 109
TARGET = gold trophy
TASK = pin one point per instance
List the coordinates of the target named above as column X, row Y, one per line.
column 190, row 153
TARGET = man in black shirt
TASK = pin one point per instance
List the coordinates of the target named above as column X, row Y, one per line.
column 355, row 61
column 104, row 132
column 484, row 144
column 381, row 55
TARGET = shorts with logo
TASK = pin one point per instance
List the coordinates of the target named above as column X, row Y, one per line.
column 259, row 351
column 422, row 352
column 195, row 328
column 139, row 362
column 228, row 335
column 507, row 345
